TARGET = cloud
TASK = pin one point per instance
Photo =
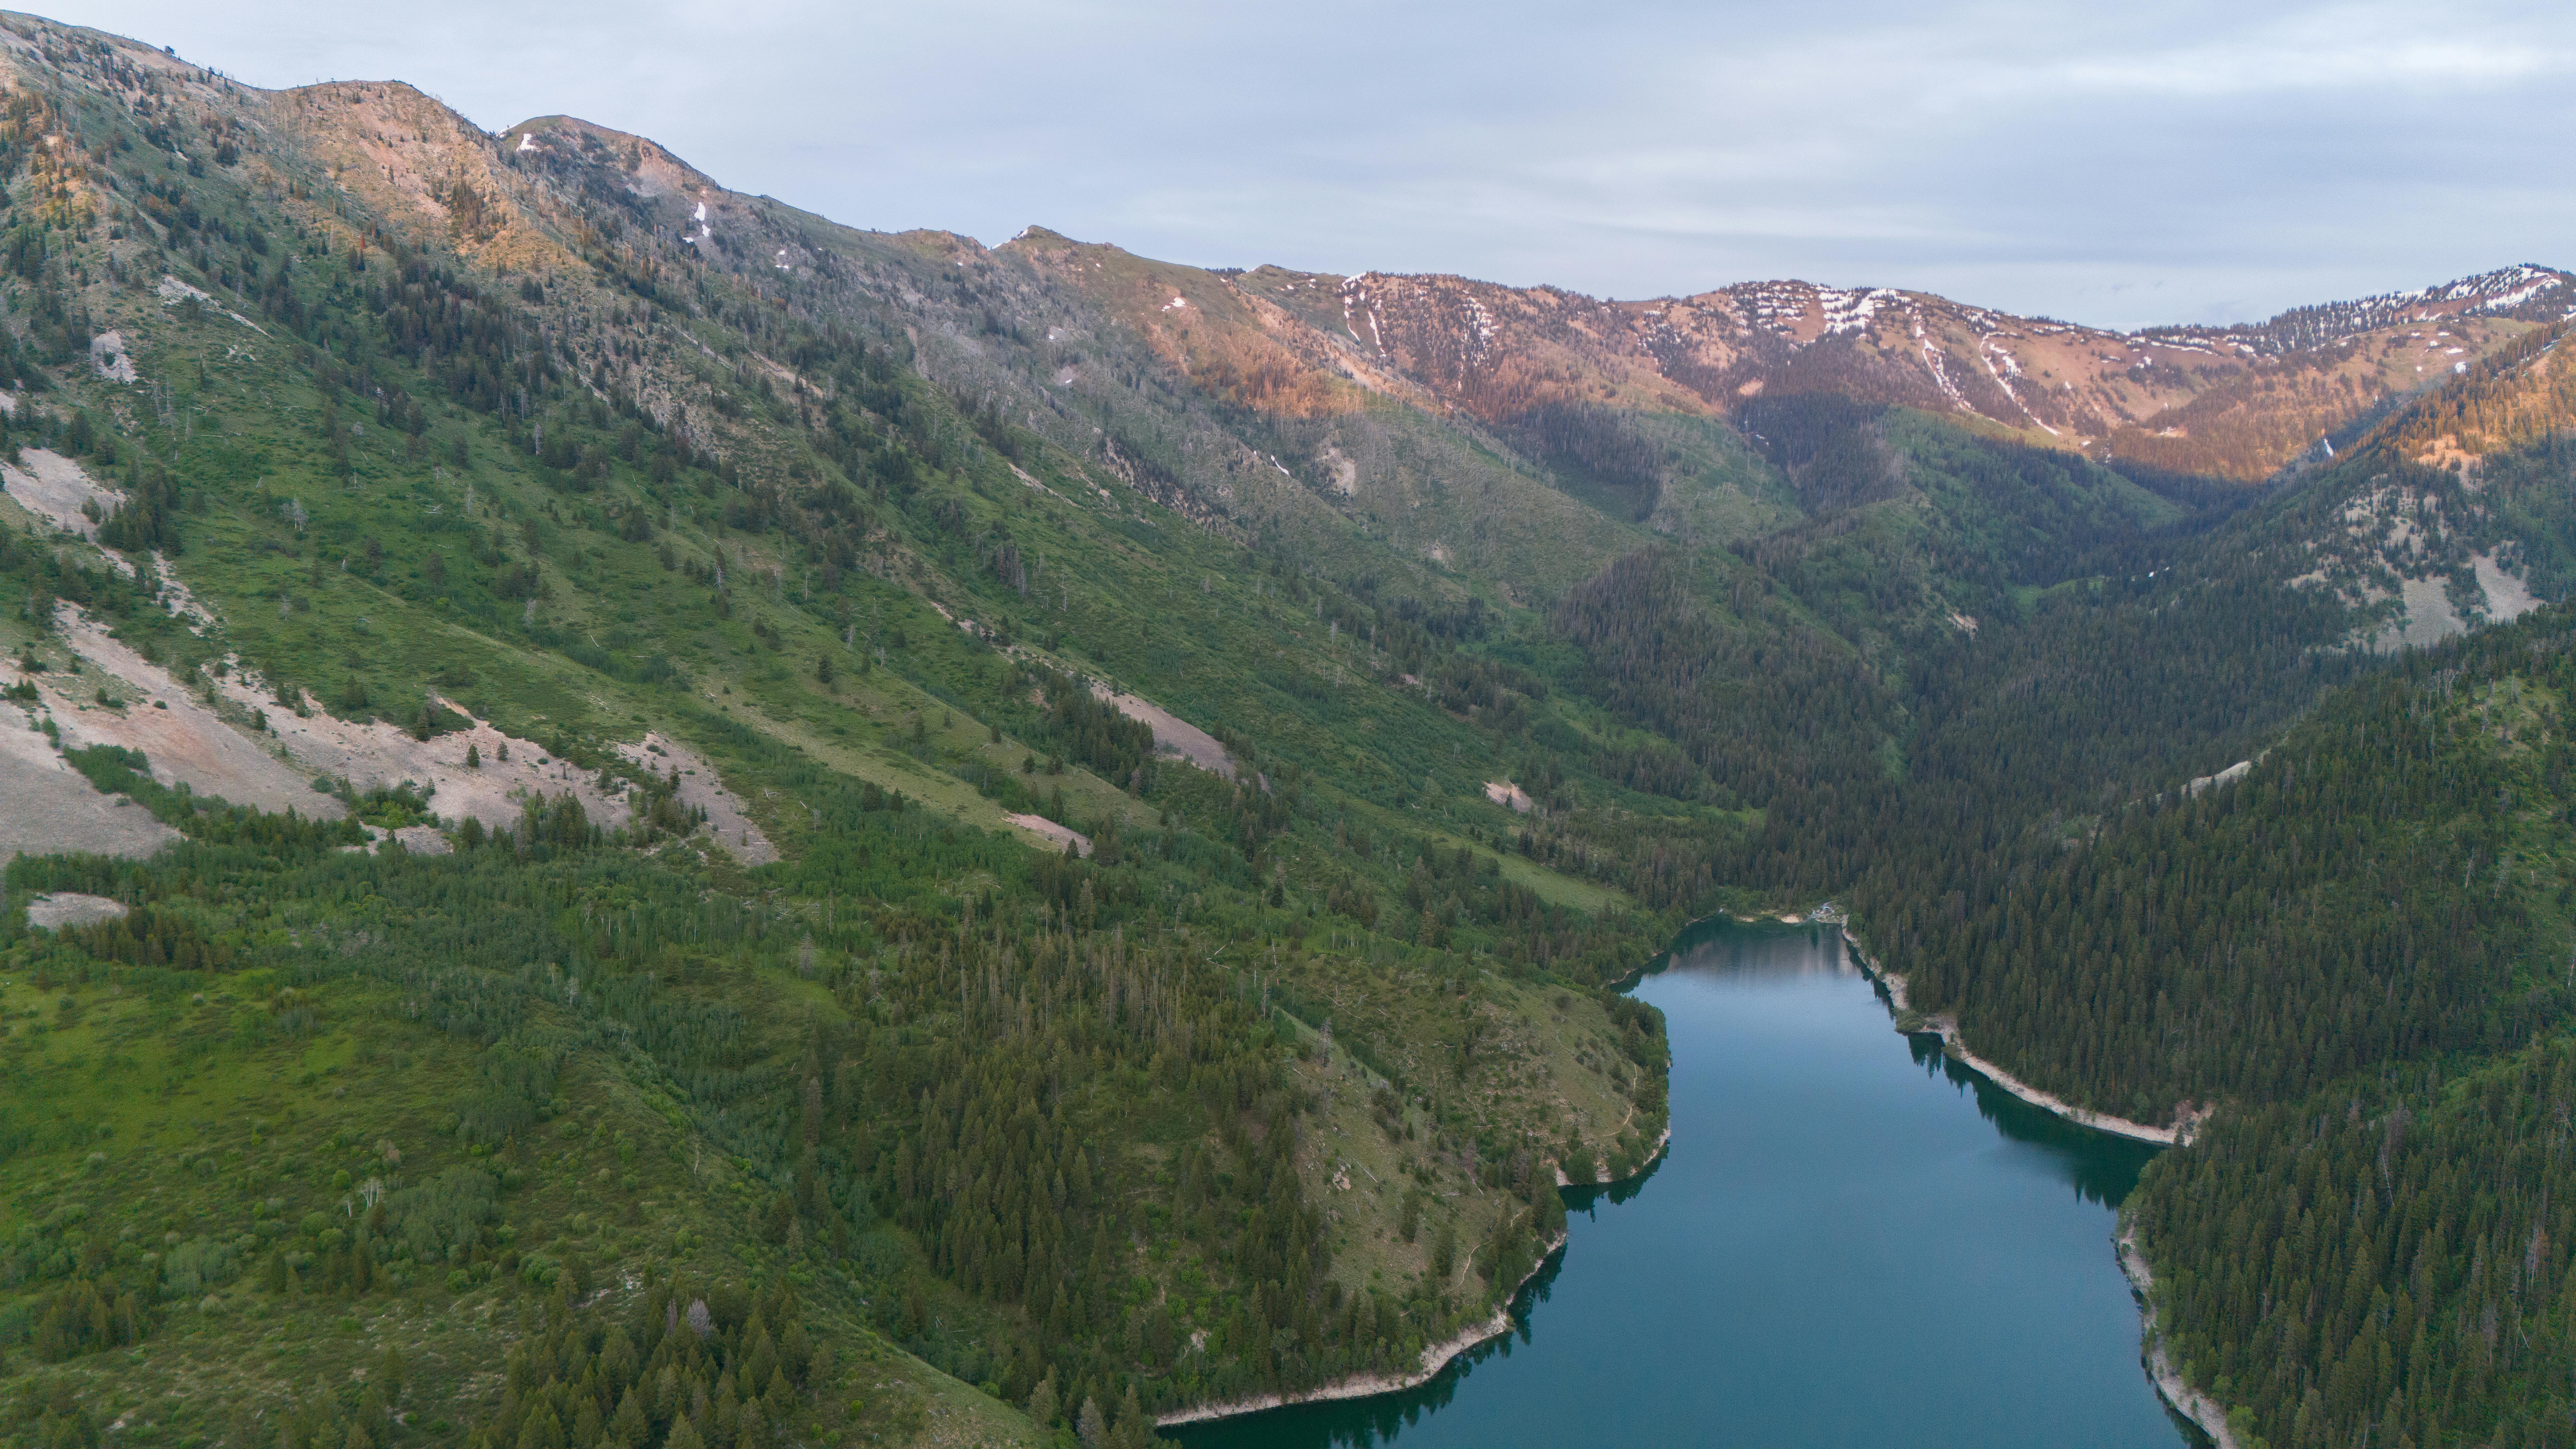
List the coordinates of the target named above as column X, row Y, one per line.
column 2330, row 51
column 2119, row 165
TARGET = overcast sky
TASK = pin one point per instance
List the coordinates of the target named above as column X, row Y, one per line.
column 2112, row 164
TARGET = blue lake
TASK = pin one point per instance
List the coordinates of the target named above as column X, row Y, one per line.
column 1853, row 1241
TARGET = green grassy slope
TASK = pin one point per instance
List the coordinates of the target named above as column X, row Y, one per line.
column 504, row 1112
column 957, row 1135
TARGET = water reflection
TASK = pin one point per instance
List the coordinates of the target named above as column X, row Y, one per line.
column 1721, row 946
column 1833, row 1252
column 2100, row 1167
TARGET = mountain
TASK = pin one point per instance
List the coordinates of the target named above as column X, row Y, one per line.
column 639, row 815
column 2236, row 402
column 599, row 777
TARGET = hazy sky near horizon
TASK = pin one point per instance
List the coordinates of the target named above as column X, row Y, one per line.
column 2185, row 162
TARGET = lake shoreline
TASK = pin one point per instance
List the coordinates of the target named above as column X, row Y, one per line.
column 1947, row 1028
column 1435, row 1360
column 2171, row 1386
column 2177, row 1392
column 1663, row 1142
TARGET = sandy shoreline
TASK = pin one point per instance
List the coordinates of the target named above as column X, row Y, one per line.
column 2177, row 1391
column 1948, row 1028
column 1361, row 1386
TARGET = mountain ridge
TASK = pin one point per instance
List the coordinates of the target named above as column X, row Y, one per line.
column 1523, row 625
column 1702, row 352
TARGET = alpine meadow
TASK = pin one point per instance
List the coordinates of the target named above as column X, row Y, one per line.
column 634, row 819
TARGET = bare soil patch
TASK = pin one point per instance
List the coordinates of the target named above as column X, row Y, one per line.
column 422, row 840
column 184, row 741
column 700, row 787
column 1054, row 834
column 55, row 487
column 71, row 908
column 47, row 807
column 1172, row 734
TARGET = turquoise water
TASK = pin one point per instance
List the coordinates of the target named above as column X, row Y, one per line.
column 1853, row 1241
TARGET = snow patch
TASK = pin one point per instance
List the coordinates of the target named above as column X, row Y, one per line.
column 1852, row 311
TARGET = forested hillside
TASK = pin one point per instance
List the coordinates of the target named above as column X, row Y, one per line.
column 2372, row 1242
column 639, row 817
column 758, row 879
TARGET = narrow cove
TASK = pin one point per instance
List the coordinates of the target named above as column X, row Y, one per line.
column 1853, row 1240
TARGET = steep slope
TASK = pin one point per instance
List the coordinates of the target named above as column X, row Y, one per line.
column 2377, row 1249
column 2451, row 512
column 1025, row 764
column 580, row 536
column 2137, row 871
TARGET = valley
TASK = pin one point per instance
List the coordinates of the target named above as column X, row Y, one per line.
column 636, row 815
